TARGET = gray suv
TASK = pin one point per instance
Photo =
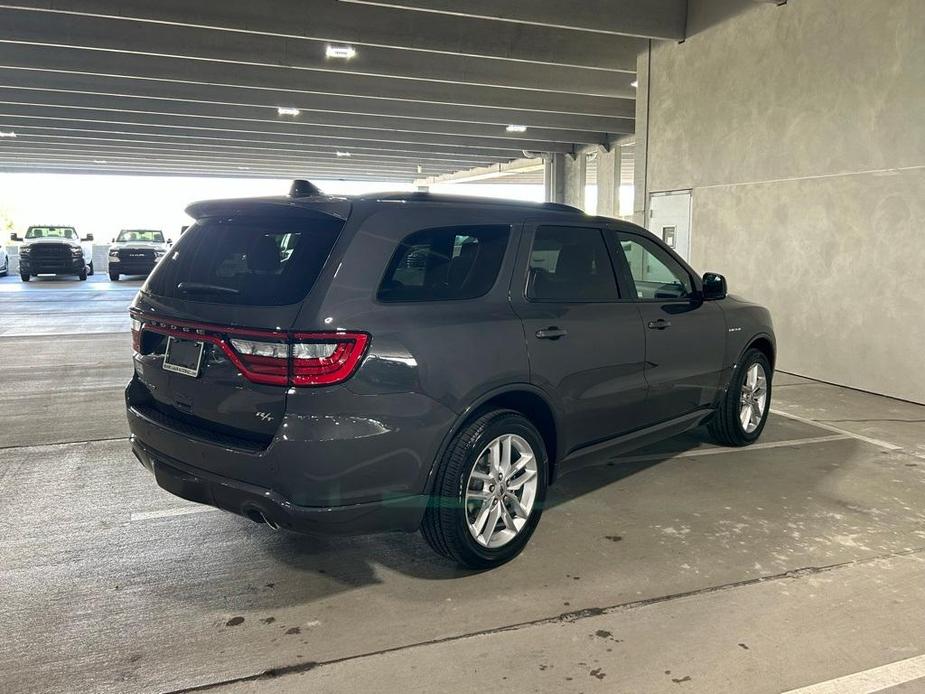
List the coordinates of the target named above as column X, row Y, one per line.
column 411, row 361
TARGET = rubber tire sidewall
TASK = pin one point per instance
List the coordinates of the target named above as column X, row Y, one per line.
column 113, row 276
column 90, row 268
column 453, row 477
column 726, row 426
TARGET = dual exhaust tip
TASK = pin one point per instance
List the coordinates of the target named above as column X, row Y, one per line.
column 256, row 515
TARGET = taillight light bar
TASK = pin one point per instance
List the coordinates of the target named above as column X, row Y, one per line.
column 272, row 357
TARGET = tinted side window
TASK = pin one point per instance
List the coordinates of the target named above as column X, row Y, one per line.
column 444, row 264
column 246, row 260
column 656, row 274
column 570, row 264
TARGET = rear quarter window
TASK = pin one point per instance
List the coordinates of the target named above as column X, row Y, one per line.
column 445, row 264
column 250, row 261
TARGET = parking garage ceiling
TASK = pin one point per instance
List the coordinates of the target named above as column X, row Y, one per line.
column 327, row 89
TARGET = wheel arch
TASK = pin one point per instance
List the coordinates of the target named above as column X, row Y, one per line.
column 524, row 398
column 764, row 344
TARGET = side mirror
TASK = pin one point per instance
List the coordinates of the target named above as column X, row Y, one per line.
column 714, row 287
column 169, row 241
column 88, row 237
column 113, row 241
column 15, row 237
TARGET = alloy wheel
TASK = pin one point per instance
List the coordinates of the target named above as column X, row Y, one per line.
column 754, row 398
column 501, row 491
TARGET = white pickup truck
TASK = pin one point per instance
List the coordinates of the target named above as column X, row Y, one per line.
column 55, row 250
column 136, row 252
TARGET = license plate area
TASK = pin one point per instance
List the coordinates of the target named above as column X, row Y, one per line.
column 183, row 356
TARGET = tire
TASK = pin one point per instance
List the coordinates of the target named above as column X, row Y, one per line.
column 24, row 276
column 6, row 268
column 727, row 427
column 113, row 276
column 446, row 524
column 83, row 275
column 90, row 271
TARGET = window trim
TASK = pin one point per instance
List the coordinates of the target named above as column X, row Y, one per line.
column 377, row 298
column 529, row 238
column 629, row 281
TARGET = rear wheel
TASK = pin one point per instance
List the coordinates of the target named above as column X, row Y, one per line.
column 743, row 411
column 113, row 276
column 489, row 493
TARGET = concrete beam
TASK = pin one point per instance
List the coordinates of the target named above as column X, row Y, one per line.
column 268, row 114
column 231, row 150
column 336, row 22
column 199, row 92
column 102, row 62
column 486, row 173
column 657, row 19
column 41, row 28
column 39, row 115
column 27, row 128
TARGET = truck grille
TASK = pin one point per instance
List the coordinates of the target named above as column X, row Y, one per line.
column 136, row 255
column 47, row 257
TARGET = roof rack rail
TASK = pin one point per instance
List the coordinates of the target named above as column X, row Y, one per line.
column 420, row 196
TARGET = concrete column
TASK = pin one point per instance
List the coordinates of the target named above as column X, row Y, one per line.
column 576, row 176
column 640, row 178
column 554, row 177
column 609, row 166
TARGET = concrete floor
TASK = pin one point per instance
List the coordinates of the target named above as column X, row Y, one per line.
column 684, row 568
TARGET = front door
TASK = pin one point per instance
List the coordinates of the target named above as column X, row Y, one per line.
column 585, row 343
column 685, row 336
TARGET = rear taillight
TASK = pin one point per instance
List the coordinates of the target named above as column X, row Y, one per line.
column 263, row 362
column 326, row 358
column 136, row 335
column 272, row 357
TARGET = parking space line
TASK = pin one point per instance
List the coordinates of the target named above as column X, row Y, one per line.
column 697, row 452
column 829, row 427
column 168, row 512
column 873, row 680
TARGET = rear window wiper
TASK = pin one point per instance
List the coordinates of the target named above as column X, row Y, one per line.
column 200, row 288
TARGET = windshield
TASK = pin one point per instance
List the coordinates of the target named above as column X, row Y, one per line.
column 51, row 233
column 251, row 261
column 140, row 235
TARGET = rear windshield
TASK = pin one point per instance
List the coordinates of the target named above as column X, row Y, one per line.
column 51, row 233
column 253, row 261
column 141, row 235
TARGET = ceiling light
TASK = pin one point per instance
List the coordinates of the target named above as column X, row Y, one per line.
column 342, row 52
column 420, row 169
column 634, row 84
column 342, row 154
column 7, row 134
column 100, row 161
column 516, row 128
column 244, row 168
column 288, row 111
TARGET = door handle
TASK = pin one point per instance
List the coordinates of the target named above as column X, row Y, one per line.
column 551, row 333
column 660, row 324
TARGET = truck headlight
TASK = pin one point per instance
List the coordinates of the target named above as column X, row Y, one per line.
column 77, row 252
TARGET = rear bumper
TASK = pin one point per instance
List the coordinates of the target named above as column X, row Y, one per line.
column 254, row 502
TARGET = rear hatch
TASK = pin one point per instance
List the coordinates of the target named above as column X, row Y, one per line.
column 211, row 325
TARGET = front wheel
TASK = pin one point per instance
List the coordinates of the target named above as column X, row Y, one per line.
column 90, row 271
column 743, row 411
column 24, row 276
column 83, row 275
column 489, row 491
column 113, row 276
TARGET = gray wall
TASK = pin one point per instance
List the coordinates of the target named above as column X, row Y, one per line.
column 800, row 131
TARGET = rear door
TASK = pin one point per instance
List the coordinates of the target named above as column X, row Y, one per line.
column 585, row 343
column 233, row 285
column 685, row 336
